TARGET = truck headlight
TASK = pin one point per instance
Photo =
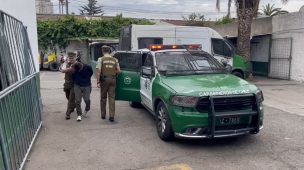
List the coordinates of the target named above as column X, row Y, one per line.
column 259, row 96
column 184, row 101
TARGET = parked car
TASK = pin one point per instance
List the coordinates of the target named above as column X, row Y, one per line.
column 189, row 92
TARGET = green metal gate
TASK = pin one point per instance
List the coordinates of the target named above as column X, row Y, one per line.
column 20, row 100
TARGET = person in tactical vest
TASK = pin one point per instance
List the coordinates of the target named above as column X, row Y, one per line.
column 107, row 69
column 68, row 86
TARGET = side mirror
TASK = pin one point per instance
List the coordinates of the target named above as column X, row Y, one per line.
column 224, row 62
column 147, row 72
column 227, row 66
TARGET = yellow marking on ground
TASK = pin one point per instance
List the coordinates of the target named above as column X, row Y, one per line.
column 172, row 167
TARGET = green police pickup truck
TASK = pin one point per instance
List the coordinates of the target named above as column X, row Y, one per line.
column 189, row 92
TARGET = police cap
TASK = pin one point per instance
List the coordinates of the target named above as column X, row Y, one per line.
column 106, row 49
column 72, row 54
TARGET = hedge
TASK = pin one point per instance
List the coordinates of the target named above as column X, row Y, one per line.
column 58, row 32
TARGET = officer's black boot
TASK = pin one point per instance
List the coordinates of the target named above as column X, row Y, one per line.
column 111, row 119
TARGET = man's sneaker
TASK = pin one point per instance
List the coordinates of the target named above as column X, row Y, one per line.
column 103, row 117
column 78, row 118
column 84, row 114
column 67, row 117
column 111, row 119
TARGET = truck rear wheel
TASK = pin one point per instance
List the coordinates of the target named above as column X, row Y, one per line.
column 54, row 66
column 163, row 123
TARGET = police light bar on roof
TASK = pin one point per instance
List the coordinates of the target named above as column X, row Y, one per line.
column 171, row 47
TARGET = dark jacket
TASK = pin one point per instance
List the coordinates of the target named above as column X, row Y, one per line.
column 82, row 77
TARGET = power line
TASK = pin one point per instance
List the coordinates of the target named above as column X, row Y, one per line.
column 47, row 5
column 136, row 10
column 111, row 8
column 152, row 11
column 144, row 10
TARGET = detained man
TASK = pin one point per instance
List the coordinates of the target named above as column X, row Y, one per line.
column 82, row 74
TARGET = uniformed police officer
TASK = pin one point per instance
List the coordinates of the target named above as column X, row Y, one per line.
column 106, row 70
column 68, row 85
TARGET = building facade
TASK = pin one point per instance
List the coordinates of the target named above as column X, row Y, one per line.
column 276, row 45
column 44, row 7
column 25, row 12
column 290, row 27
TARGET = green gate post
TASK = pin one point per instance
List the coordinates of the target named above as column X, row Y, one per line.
column 1, row 160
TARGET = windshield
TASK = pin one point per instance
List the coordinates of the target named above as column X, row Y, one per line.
column 186, row 62
column 230, row 44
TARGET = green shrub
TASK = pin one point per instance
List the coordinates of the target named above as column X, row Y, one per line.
column 58, row 32
column 224, row 20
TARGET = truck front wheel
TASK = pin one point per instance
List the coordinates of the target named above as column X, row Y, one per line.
column 238, row 74
column 163, row 122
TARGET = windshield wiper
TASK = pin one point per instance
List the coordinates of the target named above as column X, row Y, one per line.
column 210, row 70
column 218, row 68
column 176, row 72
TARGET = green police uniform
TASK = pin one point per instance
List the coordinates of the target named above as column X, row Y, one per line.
column 68, row 88
column 108, row 66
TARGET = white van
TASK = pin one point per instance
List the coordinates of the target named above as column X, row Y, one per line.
column 137, row 37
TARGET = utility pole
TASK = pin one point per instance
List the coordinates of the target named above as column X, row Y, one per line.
column 67, row 6
column 59, row 7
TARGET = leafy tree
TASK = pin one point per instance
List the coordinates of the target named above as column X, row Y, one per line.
column 91, row 9
column 60, row 31
column 195, row 17
column 246, row 11
column 270, row 10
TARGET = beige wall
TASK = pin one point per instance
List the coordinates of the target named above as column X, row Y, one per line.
column 261, row 26
column 292, row 26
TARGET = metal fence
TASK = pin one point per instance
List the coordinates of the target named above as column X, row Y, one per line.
column 20, row 100
column 280, row 60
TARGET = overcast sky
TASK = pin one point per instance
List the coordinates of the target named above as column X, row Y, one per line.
column 170, row 9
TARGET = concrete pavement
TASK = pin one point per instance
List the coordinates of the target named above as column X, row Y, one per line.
column 282, row 94
column 132, row 142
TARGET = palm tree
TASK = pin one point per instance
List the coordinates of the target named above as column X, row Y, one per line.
column 270, row 10
column 91, row 9
column 246, row 11
column 229, row 7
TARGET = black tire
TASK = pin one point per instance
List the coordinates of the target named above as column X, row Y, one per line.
column 135, row 104
column 54, row 66
column 238, row 74
column 163, row 123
